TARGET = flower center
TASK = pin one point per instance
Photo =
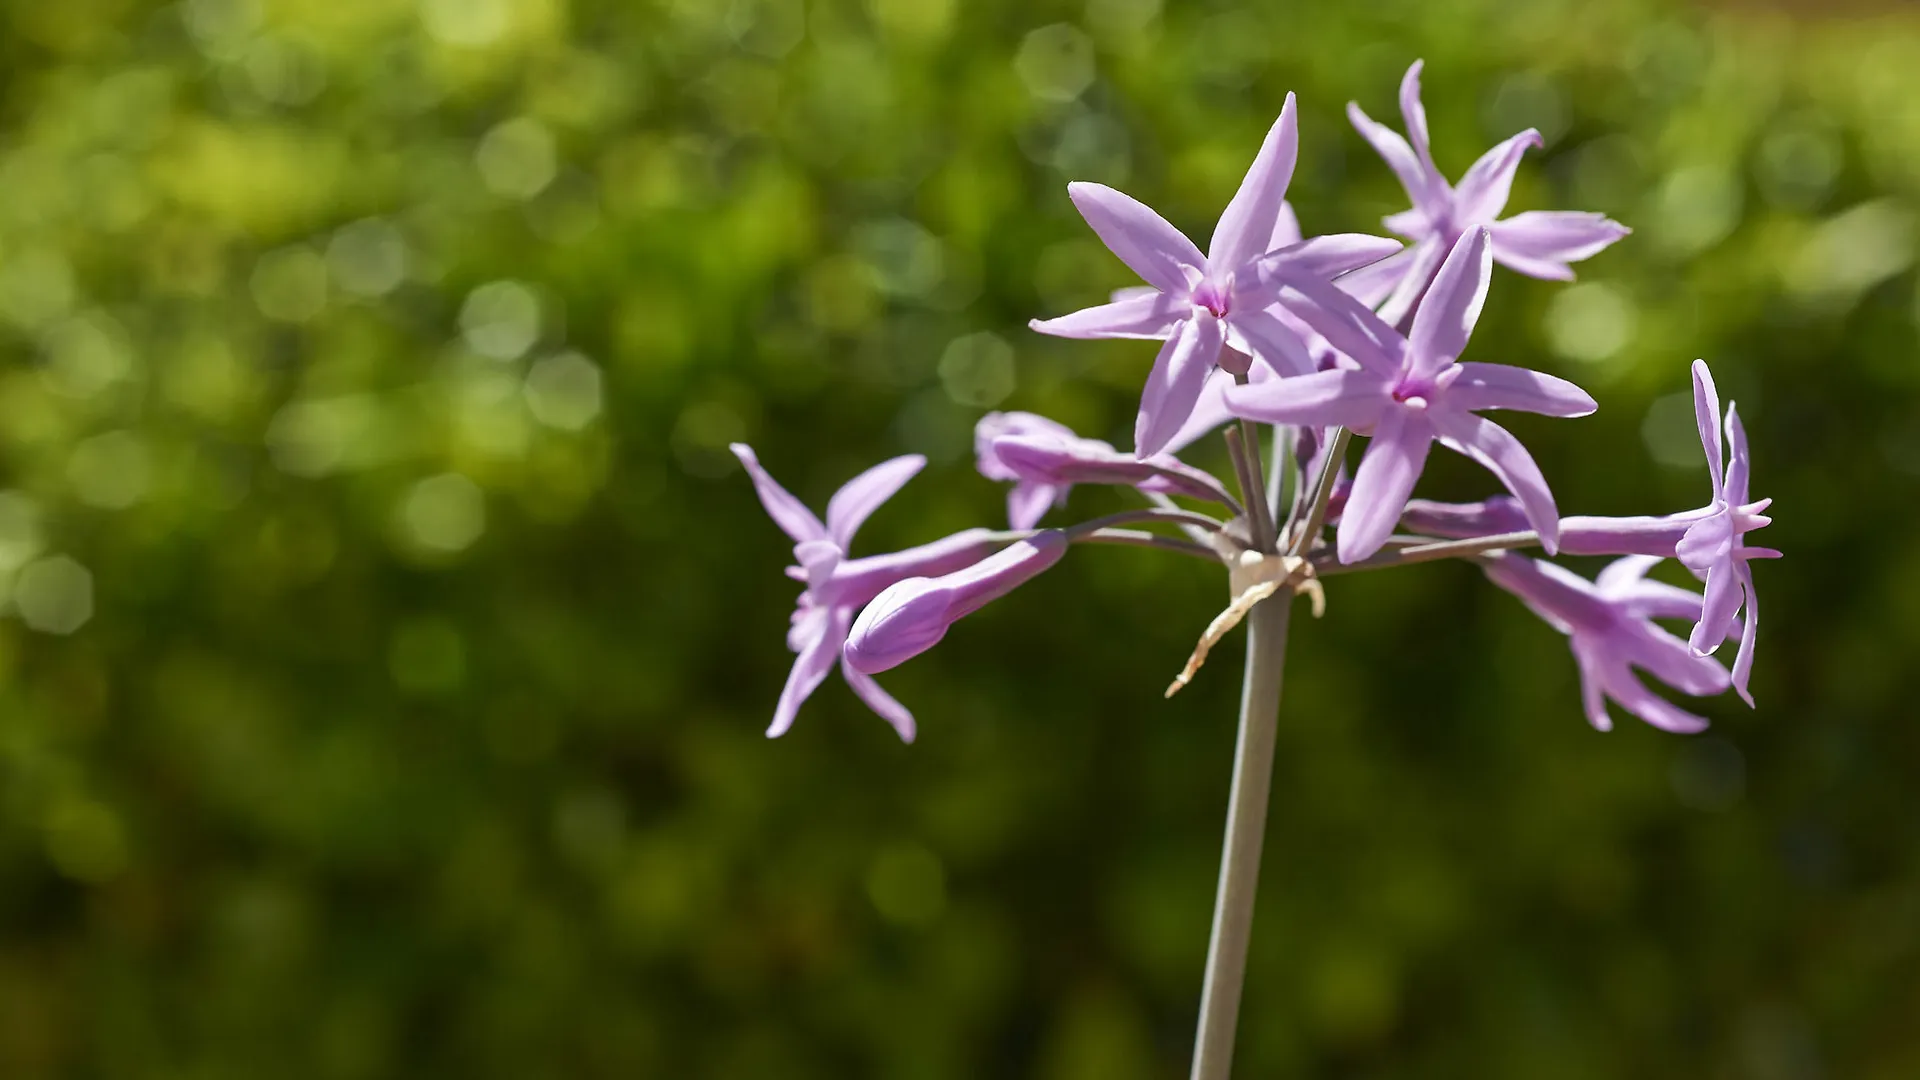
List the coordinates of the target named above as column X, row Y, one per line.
column 1216, row 297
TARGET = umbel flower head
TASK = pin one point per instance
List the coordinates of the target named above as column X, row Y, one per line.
column 1538, row 243
column 1202, row 303
column 837, row 586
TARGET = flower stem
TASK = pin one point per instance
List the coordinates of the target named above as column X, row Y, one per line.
column 1246, row 830
column 1429, row 552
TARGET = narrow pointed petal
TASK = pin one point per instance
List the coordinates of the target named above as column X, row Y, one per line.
column 1173, row 386
column 1749, row 632
column 1271, row 340
column 1503, row 386
column 1706, row 412
column 912, row 616
column 1464, row 521
column 1412, row 224
column 786, row 511
column 1723, row 597
column 1415, row 114
column 1248, row 222
column 995, row 424
column 809, row 669
column 1383, row 483
column 1672, row 661
column 856, row 581
column 1346, row 324
column 1495, row 448
column 1482, row 193
column 1540, row 243
column 1151, row 316
column 1286, row 227
column 1060, row 462
column 1400, row 157
column 1593, row 696
column 1656, row 536
column 1209, row 412
column 1321, row 257
column 1028, row 502
column 862, row 495
column 1622, row 575
column 1144, row 241
column 1375, row 282
column 1132, row 292
column 1444, row 322
column 1738, row 465
column 1634, row 697
column 1427, row 256
column 879, row 700
column 1342, row 397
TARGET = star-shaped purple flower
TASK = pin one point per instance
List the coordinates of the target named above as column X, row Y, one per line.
column 837, row 586
column 1538, row 243
column 1201, row 303
column 1715, row 547
column 1610, row 622
column 1409, row 391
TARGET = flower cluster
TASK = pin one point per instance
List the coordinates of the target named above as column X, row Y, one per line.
column 1322, row 338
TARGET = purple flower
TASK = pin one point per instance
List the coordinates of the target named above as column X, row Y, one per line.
column 1538, row 243
column 1409, row 391
column 1714, row 547
column 912, row 616
column 1611, row 623
column 1201, row 303
column 1045, row 459
column 837, row 586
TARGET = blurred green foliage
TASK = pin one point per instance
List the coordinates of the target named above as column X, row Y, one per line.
column 389, row 635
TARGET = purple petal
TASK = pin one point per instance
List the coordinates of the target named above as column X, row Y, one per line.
column 1209, row 411
column 1656, row 536
column 912, row 616
column 1346, row 324
column 809, row 669
column 863, row 494
column 1061, row 462
column 995, row 424
column 1271, row 340
column 1622, row 575
column 1464, row 521
column 1132, row 292
column 1374, row 283
column 1671, row 660
column 1593, row 679
column 1749, row 631
column 1427, row 255
column 1173, row 386
column 1540, row 243
column 1634, row 697
column 1415, row 115
column 1028, row 502
column 1249, row 220
column 1723, row 596
column 856, row 581
column 1495, row 447
column 1452, row 305
column 1706, row 543
column 1144, row 241
column 1338, row 398
column 1286, row 227
column 1381, row 486
column 1482, row 193
column 786, row 511
column 879, row 700
column 1147, row 316
column 1412, row 224
column 1738, row 466
column 1502, row 386
column 1398, row 155
column 1321, row 257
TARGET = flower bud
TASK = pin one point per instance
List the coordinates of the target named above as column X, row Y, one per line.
column 911, row 616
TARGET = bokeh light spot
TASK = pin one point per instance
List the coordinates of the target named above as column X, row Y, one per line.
column 517, row 159
column 1056, row 62
column 977, row 370
column 368, row 257
column 290, row 284
column 111, row 471
column 54, row 595
column 445, row 513
column 1591, row 321
column 501, row 320
column 564, row 391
